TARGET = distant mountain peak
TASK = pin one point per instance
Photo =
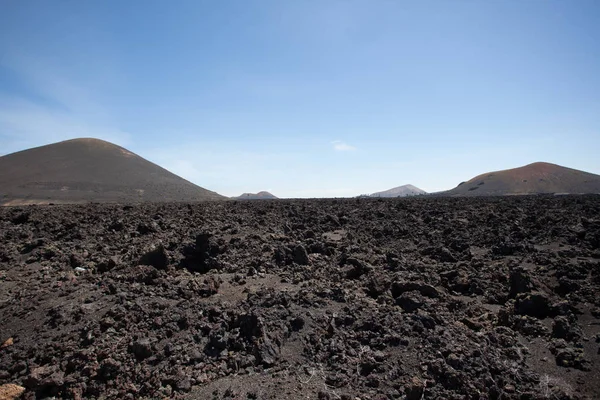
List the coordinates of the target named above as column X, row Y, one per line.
column 400, row 191
column 262, row 195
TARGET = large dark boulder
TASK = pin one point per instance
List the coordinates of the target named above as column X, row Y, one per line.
column 535, row 304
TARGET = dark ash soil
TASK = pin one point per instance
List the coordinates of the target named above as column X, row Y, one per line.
column 472, row 298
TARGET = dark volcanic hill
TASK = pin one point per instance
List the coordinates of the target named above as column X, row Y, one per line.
column 256, row 196
column 539, row 177
column 83, row 170
column 400, row 191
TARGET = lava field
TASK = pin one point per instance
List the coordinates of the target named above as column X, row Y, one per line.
column 420, row 298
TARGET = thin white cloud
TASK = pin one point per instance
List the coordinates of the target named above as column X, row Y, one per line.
column 338, row 145
column 24, row 124
column 59, row 110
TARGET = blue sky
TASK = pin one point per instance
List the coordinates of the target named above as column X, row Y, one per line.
column 308, row 98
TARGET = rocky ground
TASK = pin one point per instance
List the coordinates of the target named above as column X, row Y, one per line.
column 481, row 298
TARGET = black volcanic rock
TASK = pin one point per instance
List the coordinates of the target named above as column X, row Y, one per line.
column 237, row 313
column 85, row 170
column 256, row 196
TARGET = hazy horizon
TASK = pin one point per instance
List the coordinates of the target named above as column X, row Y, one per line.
column 312, row 98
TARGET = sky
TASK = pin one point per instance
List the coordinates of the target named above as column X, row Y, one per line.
column 308, row 98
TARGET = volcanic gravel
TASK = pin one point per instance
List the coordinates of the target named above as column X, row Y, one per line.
column 422, row 298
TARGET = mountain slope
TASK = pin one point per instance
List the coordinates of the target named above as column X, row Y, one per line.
column 256, row 196
column 539, row 177
column 400, row 191
column 82, row 170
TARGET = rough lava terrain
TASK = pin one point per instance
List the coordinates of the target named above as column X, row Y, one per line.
column 422, row 298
